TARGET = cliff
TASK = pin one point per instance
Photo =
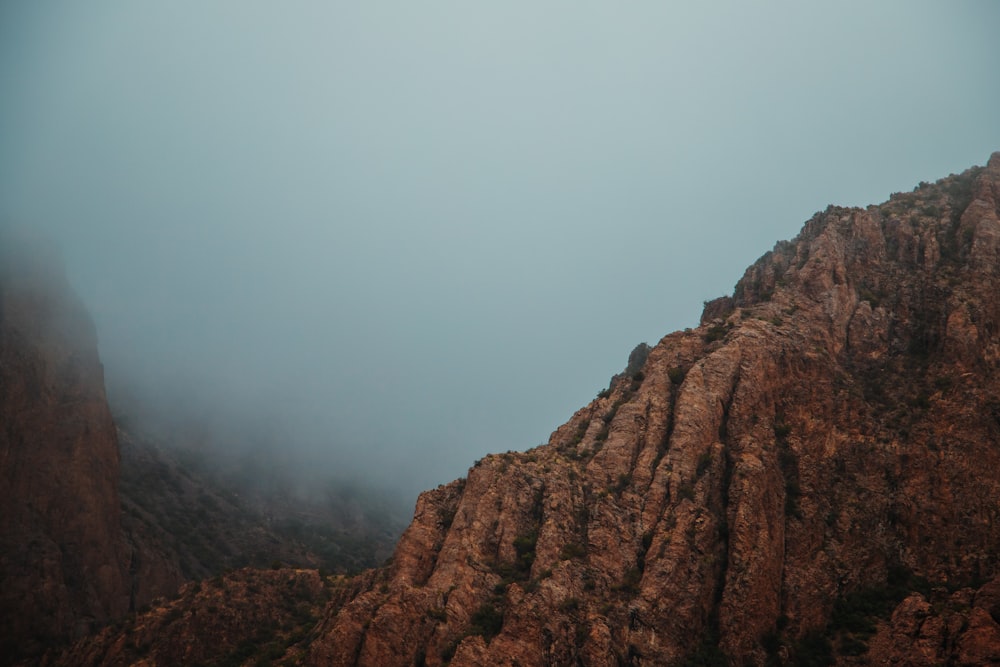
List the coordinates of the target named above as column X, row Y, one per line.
column 63, row 558
column 808, row 476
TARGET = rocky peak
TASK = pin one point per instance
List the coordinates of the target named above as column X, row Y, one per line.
column 827, row 435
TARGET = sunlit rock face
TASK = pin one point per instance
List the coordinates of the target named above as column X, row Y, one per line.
column 806, row 474
column 63, row 559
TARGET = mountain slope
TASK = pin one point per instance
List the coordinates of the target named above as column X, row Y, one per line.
column 807, row 478
column 764, row 490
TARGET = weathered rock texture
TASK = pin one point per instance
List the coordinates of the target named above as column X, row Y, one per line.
column 244, row 617
column 63, row 559
column 70, row 560
column 767, row 488
column 808, row 478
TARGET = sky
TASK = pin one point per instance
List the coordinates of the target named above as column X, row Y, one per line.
column 387, row 238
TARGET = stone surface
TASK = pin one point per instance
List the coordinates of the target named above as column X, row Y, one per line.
column 63, row 558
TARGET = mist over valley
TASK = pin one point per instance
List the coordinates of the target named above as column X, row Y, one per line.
column 382, row 245
column 429, row 334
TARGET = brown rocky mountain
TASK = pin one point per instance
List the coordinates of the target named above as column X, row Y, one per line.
column 807, row 478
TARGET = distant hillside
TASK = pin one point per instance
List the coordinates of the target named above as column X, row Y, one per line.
column 807, row 478
column 96, row 522
column 209, row 519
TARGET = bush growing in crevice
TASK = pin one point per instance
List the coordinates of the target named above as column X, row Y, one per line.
column 578, row 435
column 446, row 516
column 636, row 360
column 619, row 486
column 716, row 332
column 789, row 465
column 704, row 462
column 487, row 620
column 685, row 491
column 630, row 582
column 572, row 551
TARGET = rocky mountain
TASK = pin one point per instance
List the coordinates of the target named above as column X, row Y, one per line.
column 806, row 478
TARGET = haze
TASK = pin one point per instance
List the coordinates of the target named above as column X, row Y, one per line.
column 391, row 237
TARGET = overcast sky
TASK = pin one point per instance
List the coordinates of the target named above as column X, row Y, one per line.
column 404, row 234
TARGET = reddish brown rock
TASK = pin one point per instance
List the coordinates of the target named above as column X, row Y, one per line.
column 63, row 559
column 807, row 478
column 953, row 629
column 833, row 424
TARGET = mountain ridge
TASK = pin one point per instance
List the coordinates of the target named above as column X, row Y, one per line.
column 723, row 502
column 807, row 478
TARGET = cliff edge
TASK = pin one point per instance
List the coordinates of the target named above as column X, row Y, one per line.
column 63, row 559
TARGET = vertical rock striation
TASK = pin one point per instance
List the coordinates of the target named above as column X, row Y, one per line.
column 765, row 489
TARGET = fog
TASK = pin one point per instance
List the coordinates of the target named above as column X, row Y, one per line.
column 387, row 238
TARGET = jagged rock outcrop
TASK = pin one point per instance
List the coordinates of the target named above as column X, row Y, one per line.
column 764, row 490
column 807, row 478
column 68, row 562
column 63, row 559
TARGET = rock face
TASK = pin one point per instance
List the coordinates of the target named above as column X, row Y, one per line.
column 790, row 483
column 63, row 559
